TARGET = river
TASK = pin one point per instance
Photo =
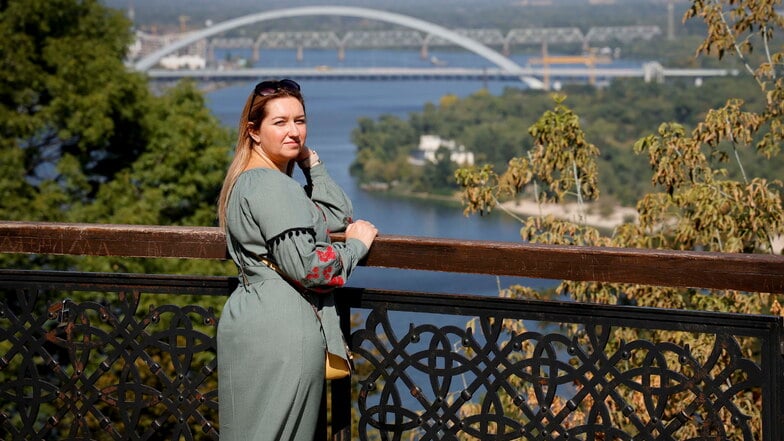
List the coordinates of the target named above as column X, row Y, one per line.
column 333, row 107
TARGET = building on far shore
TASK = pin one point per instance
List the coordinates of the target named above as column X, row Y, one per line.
column 429, row 146
column 175, row 62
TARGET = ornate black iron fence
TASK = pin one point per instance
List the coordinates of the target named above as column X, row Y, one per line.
column 81, row 358
column 132, row 356
column 498, row 374
column 115, row 356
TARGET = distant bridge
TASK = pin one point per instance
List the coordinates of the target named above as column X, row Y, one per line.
column 650, row 72
column 301, row 40
column 472, row 45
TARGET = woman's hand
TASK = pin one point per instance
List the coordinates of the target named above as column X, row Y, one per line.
column 307, row 158
column 304, row 153
column 363, row 231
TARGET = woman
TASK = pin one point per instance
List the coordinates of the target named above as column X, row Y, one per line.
column 271, row 342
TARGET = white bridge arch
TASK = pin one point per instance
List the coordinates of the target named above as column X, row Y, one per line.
column 472, row 45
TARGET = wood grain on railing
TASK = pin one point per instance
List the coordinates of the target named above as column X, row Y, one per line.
column 745, row 272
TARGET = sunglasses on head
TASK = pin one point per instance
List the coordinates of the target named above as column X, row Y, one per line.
column 266, row 88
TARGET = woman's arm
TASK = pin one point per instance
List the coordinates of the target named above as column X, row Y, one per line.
column 326, row 193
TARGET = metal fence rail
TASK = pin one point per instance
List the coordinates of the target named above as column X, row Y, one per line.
column 115, row 356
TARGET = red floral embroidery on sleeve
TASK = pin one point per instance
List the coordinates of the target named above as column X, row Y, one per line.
column 327, row 254
column 313, row 274
column 336, row 281
column 327, row 274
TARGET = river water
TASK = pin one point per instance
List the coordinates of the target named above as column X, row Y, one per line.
column 333, row 108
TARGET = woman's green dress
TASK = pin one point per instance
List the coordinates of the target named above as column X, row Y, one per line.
column 271, row 344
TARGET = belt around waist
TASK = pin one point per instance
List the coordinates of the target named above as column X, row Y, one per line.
column 259, row 273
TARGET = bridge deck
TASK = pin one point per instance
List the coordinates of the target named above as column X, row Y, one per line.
column 395, row 73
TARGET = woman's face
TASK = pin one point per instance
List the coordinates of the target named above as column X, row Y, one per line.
column 282, row 132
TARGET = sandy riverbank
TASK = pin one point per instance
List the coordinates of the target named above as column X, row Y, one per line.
column 594, row 216
column 571, row 212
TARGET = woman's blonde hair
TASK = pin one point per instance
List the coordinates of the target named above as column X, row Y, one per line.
column 250, row 117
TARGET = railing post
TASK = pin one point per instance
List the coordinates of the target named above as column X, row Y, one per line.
column 773, row 390
column 777, row 419
column 321, row 424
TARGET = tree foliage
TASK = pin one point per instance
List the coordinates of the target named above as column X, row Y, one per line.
column 702, row 198
column 66, row 103
column 82, row 137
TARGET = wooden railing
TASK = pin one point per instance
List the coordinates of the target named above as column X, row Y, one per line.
column 409, row 386
column 746, row 272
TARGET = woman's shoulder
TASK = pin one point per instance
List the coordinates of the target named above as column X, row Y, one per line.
column 266, row 186
column 265, row 177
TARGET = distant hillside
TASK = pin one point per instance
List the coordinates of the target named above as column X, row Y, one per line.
column 495, row 129
column 503, row 14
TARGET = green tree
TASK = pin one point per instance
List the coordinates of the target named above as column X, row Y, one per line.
column 83, row 138
column 69, row 110
column 438, row 177
column 382, row 150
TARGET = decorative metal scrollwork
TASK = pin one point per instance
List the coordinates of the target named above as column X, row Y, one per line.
column 125, row 369
column 450, row 383
column 99, row 370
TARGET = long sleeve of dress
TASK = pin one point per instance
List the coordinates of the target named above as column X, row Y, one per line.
column 296, row 228
column 330, row 198
column 314, row 263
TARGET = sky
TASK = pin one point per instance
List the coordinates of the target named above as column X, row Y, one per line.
column 455, row 13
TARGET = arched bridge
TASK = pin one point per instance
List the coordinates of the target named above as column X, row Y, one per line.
column 472, row 45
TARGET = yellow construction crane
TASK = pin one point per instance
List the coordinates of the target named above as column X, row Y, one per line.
column 590, row 60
